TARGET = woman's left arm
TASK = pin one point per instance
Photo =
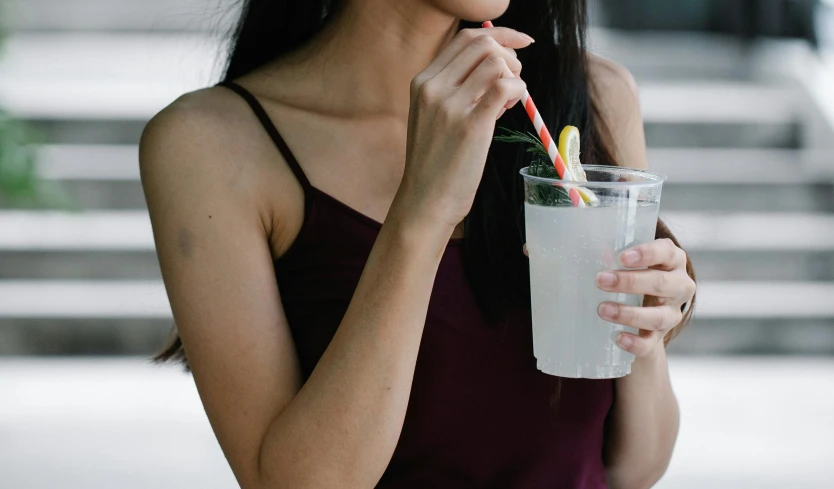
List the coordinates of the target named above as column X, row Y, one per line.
column 643, row 424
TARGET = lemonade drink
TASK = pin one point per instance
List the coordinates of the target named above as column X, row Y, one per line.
column 568, row 246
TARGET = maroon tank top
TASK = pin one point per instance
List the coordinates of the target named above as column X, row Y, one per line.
column 480, row 414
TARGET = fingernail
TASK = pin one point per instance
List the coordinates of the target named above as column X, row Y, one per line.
column 630, row 257
column 607, row 310
column 606, row 279
column 625, row 341
column 527, row 38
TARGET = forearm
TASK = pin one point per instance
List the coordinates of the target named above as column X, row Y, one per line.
column 643, row 426
column 343, row 426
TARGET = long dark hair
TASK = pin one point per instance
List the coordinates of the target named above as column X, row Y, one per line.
column 556, row 72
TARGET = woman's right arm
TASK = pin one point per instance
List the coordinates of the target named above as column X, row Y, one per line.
column 341, row 427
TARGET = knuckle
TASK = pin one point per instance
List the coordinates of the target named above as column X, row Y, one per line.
column 416, row 83
column 677, row 317
column 483, row 42
column 426, row 93
column 496, row 88
column 660, row 283
column 495, row 60
column 671, row 248
column 659, row 321
column 467, row 34
column 691, row 287
column 496, row 63
column 671, row 317
column 629, row 280
column 502, row 89
column 628, row 315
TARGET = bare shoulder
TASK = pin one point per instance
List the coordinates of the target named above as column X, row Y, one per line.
column 208, row 149
column 615, row 95
column 611, row 80
column 194, row 137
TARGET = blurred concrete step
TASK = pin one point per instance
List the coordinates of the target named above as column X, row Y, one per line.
column 131, row 230
column 99, row 76
column 745, row 180
column 718, row 134
column 146, row 299
column 146, row 336
column 115, row 317
column 116, row 130
column 79, row 299
column 89, row 162
column 765, row 199
column 81, row 76
column 114, row 15
column 89, row 132
column 748, row 232
column 61, row 231
column 702, row 165
column 710, row 101
column 95, row 195
column 678, row 196
column 765, row 266
column 143, row 265
column 83, row 265
column 741, row 165
column 757, row 336
column 84, row 336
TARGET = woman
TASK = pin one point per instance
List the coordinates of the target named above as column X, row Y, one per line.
column 302, row 314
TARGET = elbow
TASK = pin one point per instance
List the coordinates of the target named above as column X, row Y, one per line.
column 303, row 476
column 642, row 477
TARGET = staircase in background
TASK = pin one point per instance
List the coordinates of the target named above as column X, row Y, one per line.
column 746, row 145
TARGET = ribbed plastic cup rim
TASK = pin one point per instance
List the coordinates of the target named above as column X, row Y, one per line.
column 652, row 179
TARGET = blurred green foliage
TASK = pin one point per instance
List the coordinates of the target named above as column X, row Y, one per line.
column 19, row 182
column 18, row 171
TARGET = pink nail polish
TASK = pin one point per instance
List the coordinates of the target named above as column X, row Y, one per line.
column 606, row 279
column 630, row 257
column 607, row 310
column 624, row 340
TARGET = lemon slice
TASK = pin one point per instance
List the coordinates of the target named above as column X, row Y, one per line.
column 569, row 150
column 588, row 196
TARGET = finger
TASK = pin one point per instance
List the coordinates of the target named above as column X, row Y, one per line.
column 658, row 283
column 509, row 38
column 524, row 249
column 504, row 93
column 661, row 253
column 658, row 318
column 640, row 345
column 472, row 57
column 479, row 81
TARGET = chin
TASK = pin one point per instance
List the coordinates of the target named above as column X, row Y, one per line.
column 473, row 10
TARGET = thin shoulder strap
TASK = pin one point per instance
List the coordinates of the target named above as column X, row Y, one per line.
column 267, row 123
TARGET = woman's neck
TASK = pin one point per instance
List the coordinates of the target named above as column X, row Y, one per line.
column 364, row 60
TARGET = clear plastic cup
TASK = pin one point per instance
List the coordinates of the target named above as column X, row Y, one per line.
column 568, row 246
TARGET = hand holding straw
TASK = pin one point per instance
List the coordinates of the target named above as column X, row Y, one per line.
column 547, row 141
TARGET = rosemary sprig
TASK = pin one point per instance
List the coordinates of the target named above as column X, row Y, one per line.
column 513, row 136
column 540, row 166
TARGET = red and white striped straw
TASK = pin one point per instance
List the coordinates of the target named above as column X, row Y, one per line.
column 547, row 141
